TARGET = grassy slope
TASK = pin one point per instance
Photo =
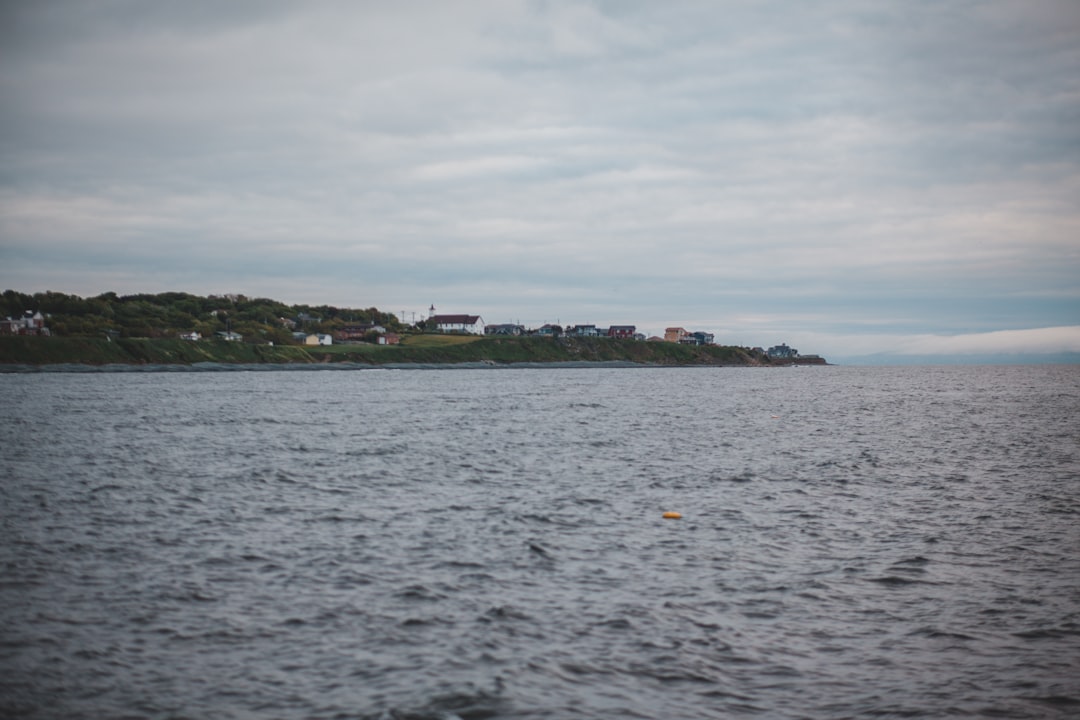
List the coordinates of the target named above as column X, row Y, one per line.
column 415, row 349
column 99, row 351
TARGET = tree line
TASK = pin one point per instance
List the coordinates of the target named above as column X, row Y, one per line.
column 167, row 315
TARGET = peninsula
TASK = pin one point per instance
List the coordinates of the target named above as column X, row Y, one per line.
column 179, row 329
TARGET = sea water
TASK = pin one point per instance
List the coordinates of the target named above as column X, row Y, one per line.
column 854, row 542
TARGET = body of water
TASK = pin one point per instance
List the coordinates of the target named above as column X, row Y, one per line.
column 443, row 544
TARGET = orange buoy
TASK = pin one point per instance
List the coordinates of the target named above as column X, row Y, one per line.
column 671, row 515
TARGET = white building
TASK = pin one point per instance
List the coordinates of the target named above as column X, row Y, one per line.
column 472, row 324
column 31, row 323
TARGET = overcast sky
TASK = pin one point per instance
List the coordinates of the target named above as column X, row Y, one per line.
column 847, row 176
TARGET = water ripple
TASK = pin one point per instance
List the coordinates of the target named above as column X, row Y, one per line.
column 854, row 542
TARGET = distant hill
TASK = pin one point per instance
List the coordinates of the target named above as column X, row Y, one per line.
column 981, row 359
column 146, row 329
column 169, row 314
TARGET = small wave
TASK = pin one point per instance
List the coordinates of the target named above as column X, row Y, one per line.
column 545, row 519
column 910, row 566
column 455, row 706
column 932, row 632
column 539, row 549
column 418, row 592
column 1061, row 701
column 504, row 612
column 896, row 581
column 190, row 595
column 422, row 622
column 1045, row 634
column 459, row 565
column 102, row 488
column 377, row 451
column 335, row 518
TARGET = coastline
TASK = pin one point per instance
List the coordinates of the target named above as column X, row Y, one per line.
column 30, row 354
column 76, row 368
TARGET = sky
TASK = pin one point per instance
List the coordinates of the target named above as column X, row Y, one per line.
column 850, row 177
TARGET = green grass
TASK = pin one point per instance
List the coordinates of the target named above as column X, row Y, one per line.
column 438, row 341
column 100, row 351
column 432, row 349
column 350, row 349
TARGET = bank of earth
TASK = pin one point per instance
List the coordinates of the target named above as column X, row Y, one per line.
column 419, row 349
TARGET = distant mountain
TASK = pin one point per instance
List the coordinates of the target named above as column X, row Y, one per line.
column 983, row 359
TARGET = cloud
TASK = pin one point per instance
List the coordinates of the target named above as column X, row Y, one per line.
column 835, row 168
column 477, row 167
column 1033, row 341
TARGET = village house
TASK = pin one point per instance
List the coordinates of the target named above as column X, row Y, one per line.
column 583, row 331
column 549, row 330
column 359, row 332
column 674, row 334
column 622, row 331
column 782, row 351
column 696, row 338
column 318, row 339
column 389, row 339
column 504, row 329
column 472, row 324
column 31, row 323
column 686, row 337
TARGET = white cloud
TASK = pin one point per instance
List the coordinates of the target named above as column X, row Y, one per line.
column 1035, row 341
column 477, row 167
column 839, row 169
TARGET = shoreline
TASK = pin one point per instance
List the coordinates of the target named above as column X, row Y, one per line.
column 88, row 354
column 114, row 368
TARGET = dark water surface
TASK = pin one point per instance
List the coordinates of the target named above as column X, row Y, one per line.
column 855, row 542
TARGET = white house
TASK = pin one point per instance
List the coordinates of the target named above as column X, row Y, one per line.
column 472, row 324
column 318, row 339
column 31, row 323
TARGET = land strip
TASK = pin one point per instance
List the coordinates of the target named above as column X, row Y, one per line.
column 420, row 349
